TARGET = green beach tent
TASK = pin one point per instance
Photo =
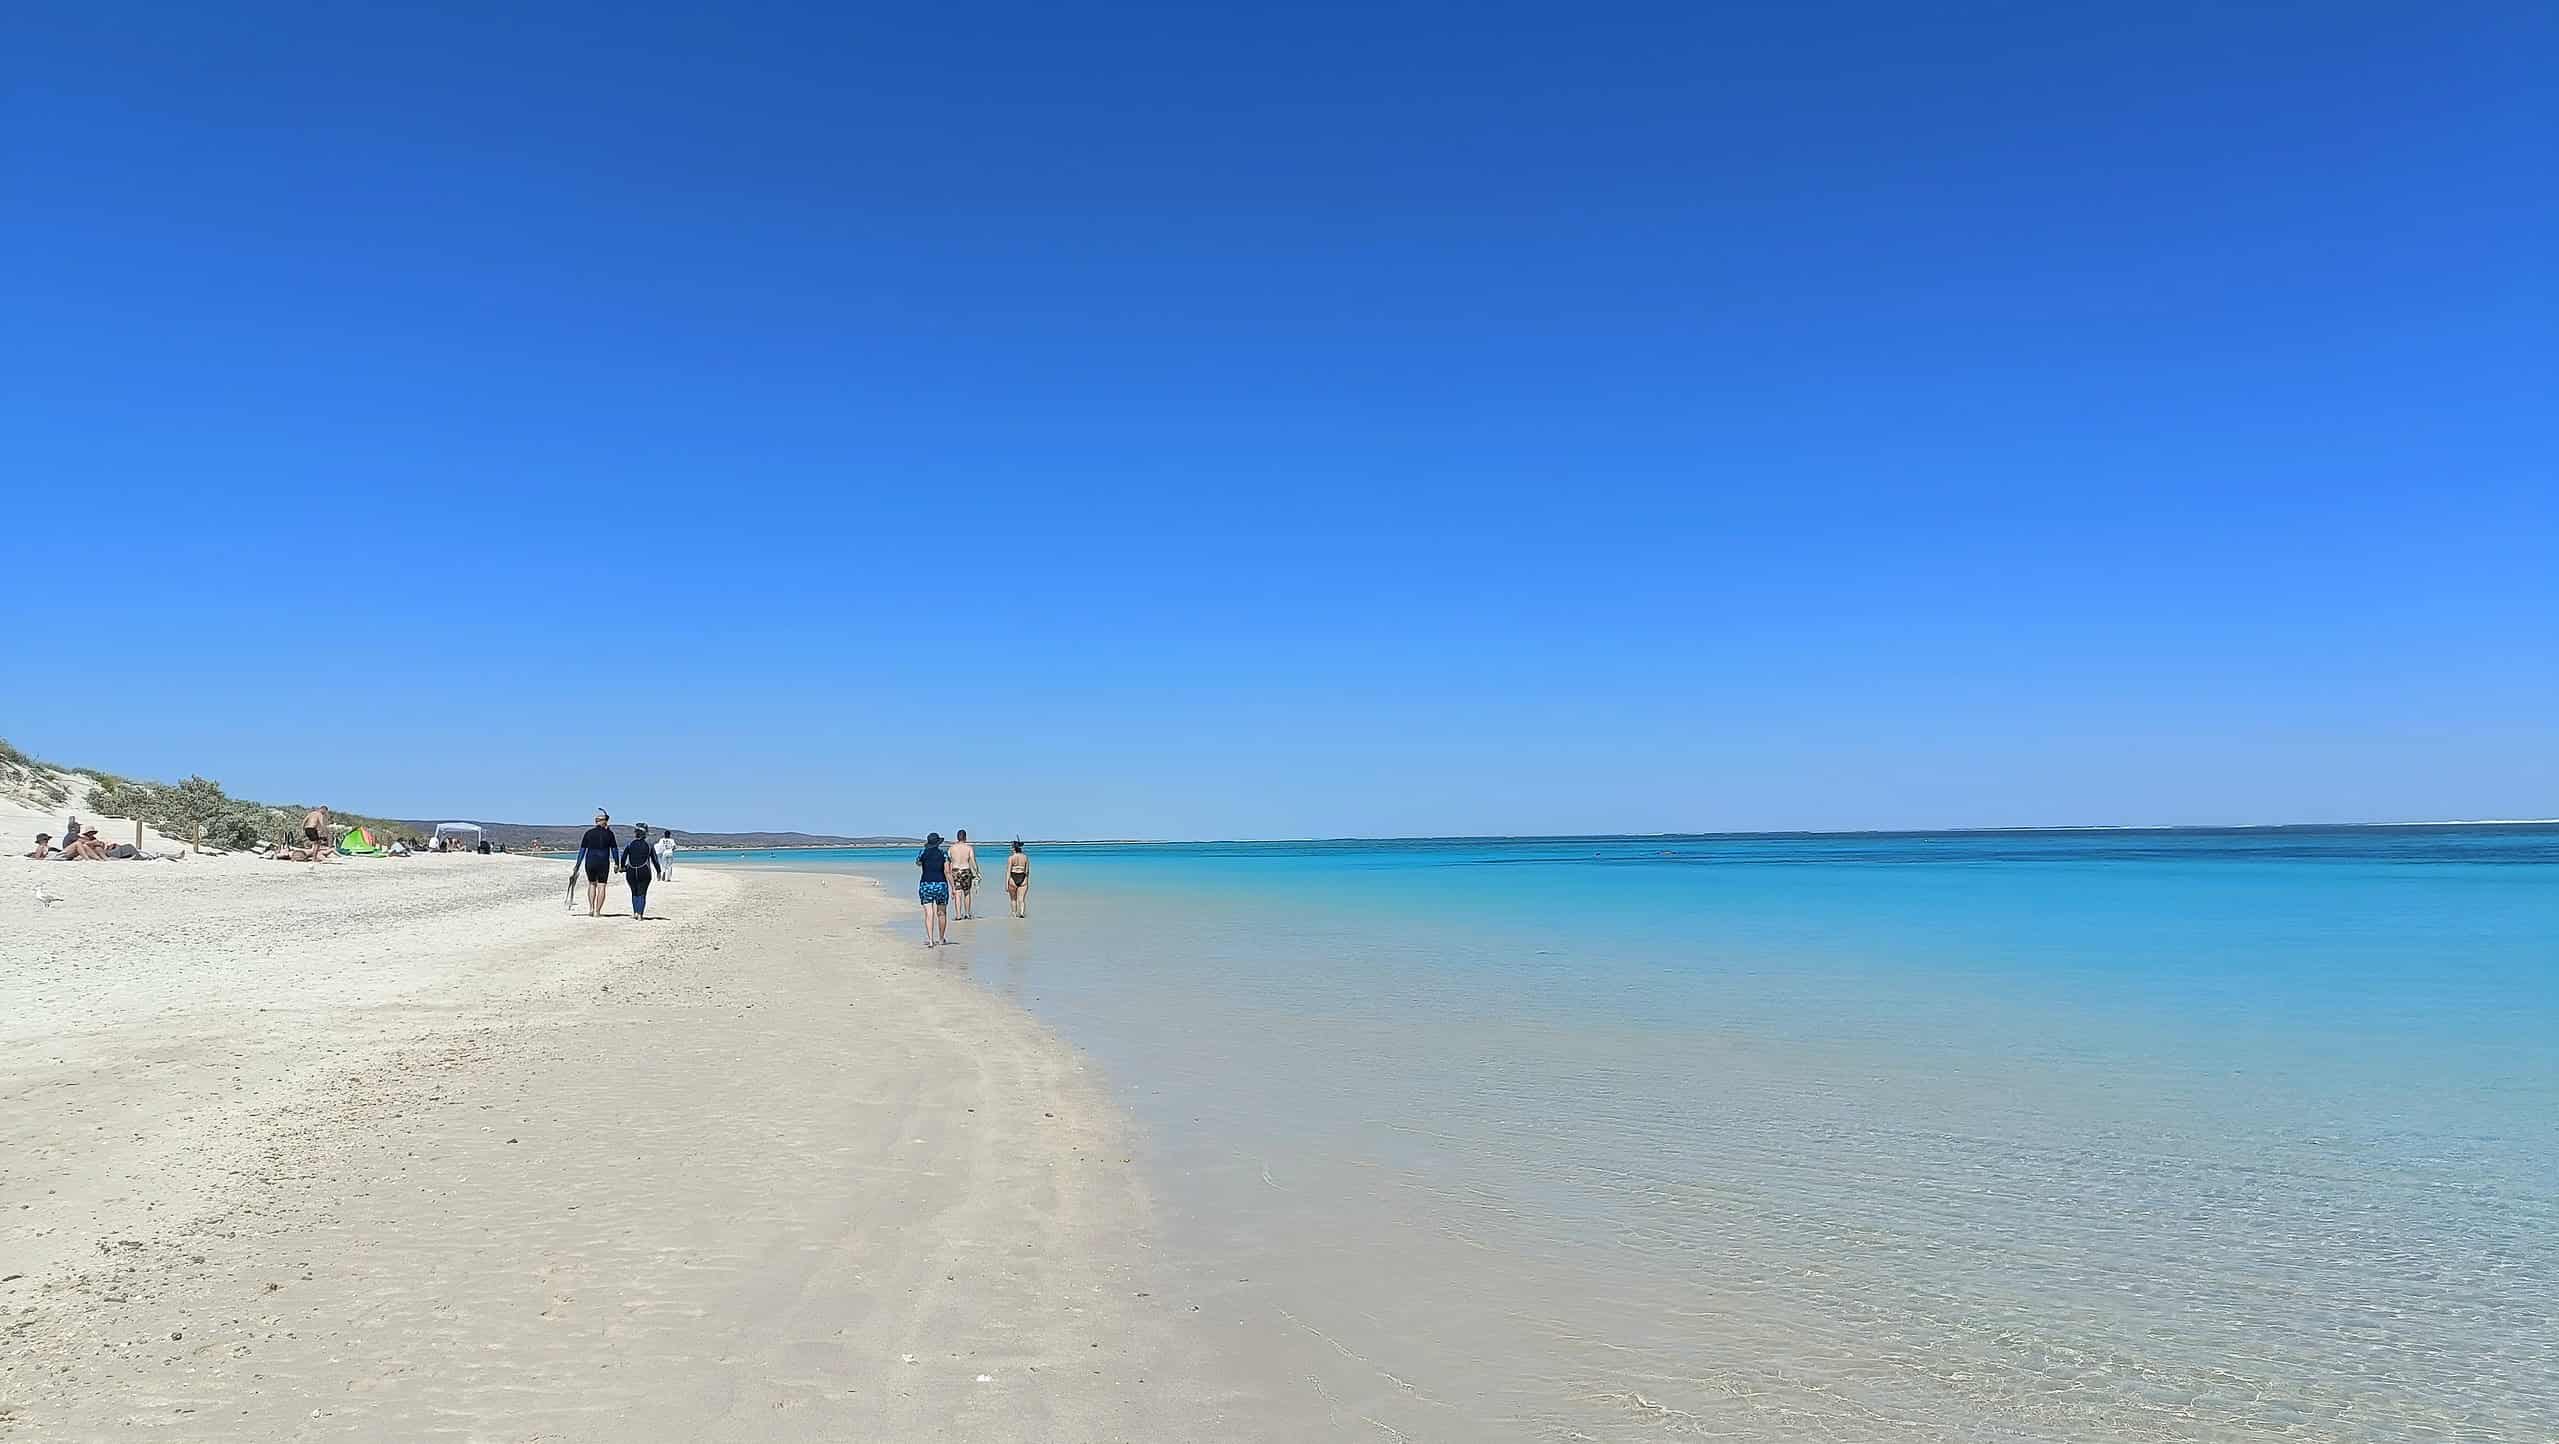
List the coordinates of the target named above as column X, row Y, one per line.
column 359, row 843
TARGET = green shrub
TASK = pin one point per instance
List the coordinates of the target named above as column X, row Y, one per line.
column 111, row 796
column 242, row 824
column 194, row 804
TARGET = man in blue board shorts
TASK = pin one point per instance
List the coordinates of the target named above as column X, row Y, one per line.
column 934, row 891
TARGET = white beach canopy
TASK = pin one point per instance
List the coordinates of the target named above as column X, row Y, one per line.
column 449, row 829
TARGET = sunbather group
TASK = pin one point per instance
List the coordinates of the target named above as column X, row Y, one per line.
column 82, row 847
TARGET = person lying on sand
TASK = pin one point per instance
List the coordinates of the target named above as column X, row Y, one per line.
column 44, row 846
column 127, row 852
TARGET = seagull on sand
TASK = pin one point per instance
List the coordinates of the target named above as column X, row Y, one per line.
column 45, row 899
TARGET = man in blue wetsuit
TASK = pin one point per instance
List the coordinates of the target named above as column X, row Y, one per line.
column 595, row 855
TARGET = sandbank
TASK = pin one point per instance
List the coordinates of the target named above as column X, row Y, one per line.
column 409, row 1149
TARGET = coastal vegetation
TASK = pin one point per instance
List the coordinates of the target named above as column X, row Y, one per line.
column 178, row 809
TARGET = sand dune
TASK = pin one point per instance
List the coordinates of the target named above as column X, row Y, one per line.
column 406, row 1150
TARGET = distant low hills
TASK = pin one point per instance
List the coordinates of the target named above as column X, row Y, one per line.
column 563, row 837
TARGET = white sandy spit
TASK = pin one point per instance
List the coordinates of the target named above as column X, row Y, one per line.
column 408, row 1149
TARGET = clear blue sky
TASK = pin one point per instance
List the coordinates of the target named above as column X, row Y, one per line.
column 1186, row 420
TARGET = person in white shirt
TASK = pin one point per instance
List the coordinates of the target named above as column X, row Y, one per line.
column 666, row 855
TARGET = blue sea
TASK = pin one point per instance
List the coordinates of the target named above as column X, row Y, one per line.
column 2082, row 1135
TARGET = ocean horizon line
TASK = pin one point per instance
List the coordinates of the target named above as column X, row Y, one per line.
column 1736, row 835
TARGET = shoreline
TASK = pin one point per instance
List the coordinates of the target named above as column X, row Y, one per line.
column 414, row 1152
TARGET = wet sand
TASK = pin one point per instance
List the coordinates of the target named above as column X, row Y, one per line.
column 407, row 1150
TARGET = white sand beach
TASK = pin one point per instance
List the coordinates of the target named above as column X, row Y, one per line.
column 407, row 1149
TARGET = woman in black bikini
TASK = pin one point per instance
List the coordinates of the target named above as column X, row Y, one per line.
column 1017, row 880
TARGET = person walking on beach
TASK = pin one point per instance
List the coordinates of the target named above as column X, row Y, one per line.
column 934, row 891
column 595, row 854
column 666, row 856
column 639, row 864
column 1017, row 880
column 964, row 874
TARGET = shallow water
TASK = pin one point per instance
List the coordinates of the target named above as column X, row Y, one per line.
column 2116, row 1136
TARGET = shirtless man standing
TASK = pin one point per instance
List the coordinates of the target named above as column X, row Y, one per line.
column 314, row 823
column 963, row 874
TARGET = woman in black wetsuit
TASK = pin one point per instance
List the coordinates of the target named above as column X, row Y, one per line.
column 639, row 864
column 595, row 854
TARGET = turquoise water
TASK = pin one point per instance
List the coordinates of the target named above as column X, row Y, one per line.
column 2225, row 1135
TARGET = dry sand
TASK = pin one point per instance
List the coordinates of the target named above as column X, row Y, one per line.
column 404, row 1149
